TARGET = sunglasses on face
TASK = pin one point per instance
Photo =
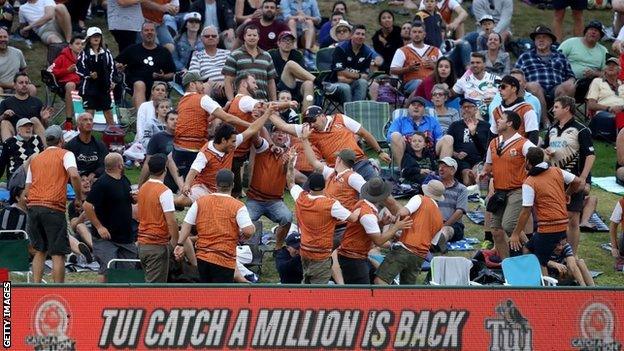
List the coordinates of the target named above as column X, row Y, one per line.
column 438, row 94
column 209, row 36
column 502, row 87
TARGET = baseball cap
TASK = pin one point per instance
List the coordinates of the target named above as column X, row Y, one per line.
column 347, row 156
column 609, row 60
column 54, row 132
column 311, row 113
column 449, row 161
column 93, row 31
column 486, row 18
column 293, row 240
column 192, row 15
column 469, row 101
column 157, row 163
column 417, row 99
column 23, row 121
column 510, row 80
column 225, row 178
column 316, row 181
column 285, row 33
column 191, row 76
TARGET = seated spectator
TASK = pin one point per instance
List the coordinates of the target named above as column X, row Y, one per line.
column 145, row 63
column 501, row 12
column 586, row 56
column 497, row 61
column 22, row 105
column 619, row 165
column 486, row 24
column 187, row 41
column 64, row 70
column 565, row 265
column 387, row 39
column 269, row 27
column 446, row 9
column 154, row 12
column 470, row 140
column 445, row 115
column 288, row 115
column 291, row 70
column 17, row 149
column 89, row 151
column 477, row 84
column 50, row 21
column 418, row 160
column 351, row 64
column 15, row 216
column 288, row 260
column 247, row 10
column 606, row 94
column 209, row 63
column 330, row 40
column 403, row 127
column 617, row 241
column 443, row 73
column 406, row 30
column 12, row 62
column 453, row 207
column 7, row 10
column 302, row 16
column 415, row 61
column 157, row 123
column 147, row 110
column 526, row 95
column 548, row 73
column 339, row 12
column 220, row 15
column 78, row 222
column 340, row 32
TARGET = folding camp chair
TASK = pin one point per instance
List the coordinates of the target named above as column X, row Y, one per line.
column 99, row 122
column 525, row 270
column 372, row 115
column 52, row 88
column 451, row 271
column 324, row 58
column 14, row 252
column 124, row 275
column 327, row 94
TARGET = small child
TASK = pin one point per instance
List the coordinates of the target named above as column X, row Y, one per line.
column 288, row 115
column 418, row 160
column 564, row 265
column 617, row 244
column 157, row 124
column 487, row 25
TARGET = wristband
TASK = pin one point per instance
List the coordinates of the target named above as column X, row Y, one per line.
column 179, row 244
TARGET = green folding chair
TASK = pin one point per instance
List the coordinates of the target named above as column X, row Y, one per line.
column 14, row 252
column 124, row 275
column 372, row 115
column 99, row 122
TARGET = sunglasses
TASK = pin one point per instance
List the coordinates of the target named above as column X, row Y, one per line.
column 209, row 36
column 438, row 94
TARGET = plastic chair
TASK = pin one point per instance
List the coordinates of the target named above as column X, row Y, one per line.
column 451, row 271
column 525, row 270
column 124, row 275
column 372, row 115
column 14, row 253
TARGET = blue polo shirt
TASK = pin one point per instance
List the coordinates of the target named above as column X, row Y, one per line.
column 407, row 127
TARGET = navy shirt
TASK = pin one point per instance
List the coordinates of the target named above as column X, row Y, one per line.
column 345, row 58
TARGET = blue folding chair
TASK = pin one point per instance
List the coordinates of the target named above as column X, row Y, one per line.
column 525, row 270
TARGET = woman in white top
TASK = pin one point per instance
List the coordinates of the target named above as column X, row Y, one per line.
column 147, row 110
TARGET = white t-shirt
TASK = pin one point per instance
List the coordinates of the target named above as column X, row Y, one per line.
column 32, row 12
column 398, row 60
column 356, row 181
column 616, row 216
column 201, row 161
column 525, row 148
column 337, row 210
column 242, row 215
column 166, row 198
column 208, row 104
column 370, row 222
column 247, row 103
column 474, row 88
column 528, row 193
column 349, row 122
column 452, row 5
column 69, row 161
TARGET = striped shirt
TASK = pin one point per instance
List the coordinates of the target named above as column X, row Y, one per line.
column 209, row 67
column 455, row 198
column 261, row 67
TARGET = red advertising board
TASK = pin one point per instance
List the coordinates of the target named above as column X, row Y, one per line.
column 280, row 318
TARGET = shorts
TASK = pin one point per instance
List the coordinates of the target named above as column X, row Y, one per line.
column 183, row 160
column 316, row 272
column 213, row 273
column 294, row 91
column 578, row 5
column 275, row 210
column 507, row 218
column 100, row 102
column 400, row 261
column 155, row 262
column 355, row 270
column 197, row 191
column 458, row 231
column 47, row 230
column 163, row 34
column 576, row 202
column 462, row 165
column 106, row 250
column 365, row 169
column 542, row 245
column 48, row 30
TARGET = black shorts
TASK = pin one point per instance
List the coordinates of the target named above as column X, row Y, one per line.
column 355, row 271
column 213, row 273
column 458, row 231
column 97, row 102
column 463, row 164
column 576, row 202
column 543, row 245
column 578, row 5
column 295, row 92
column 47, row 230
column 183, row 160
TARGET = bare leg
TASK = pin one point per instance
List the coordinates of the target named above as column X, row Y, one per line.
column 590, row 207
column 138, row 93
column 58, row 268
column 574, row 231
column 577, row 16
column 38, row 127
column 293, row 71
column 189, row 251
column 280, row 233
column 108, row 116
column 397, row 144
column 7, row 130
column 444, row 147
column 63, row 19
column 84, row 233
column 37, row 266
column 32, row 90
column 373, row 91
column 587, row 277
column 73, row 245
column 379, row 281
column 500, row 242
column 309, row 34
column 292, row 25
column 558, row 23
column 335, row 268
column 307, row 89
column 566, row 88
column 460, row 32
column 69, row 105
column 468, row 177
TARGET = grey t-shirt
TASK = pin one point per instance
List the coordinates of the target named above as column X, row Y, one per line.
column 11, row 63
column 124, row 18
column 455, row 198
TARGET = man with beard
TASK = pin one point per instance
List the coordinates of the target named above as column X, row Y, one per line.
column 268, row 27
column 22, row 105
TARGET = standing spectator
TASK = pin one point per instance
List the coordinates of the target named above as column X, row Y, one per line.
column 188, row 41
column 154, row 12
column 11, row 63
column 158, row 228
column 505, row 160
column 269, row 27
column 288, row 260
column 17, row 149
column 547, row 72
column 497, row 61
column 217, row 231
column 569, row 146
column 50, row 21
column 387, row 40
column 89, row 151
column 443, row 73
column 95, row 66
column 109, row 208
column 415, row 61
column 338, row 12
column 302, row 16
column 523, row 93
column 351, row 63
column 145, row 63
column 586, row 56
column 65, row 70
column 414, row 244
column 46, row 191
column 477, row 84
column 434, row 24
column 210, row 62
column 509, row 88
column 22, row 105
column 124, row 21
column 617, row 241
column 220, row 15
column 453, row 207
column 501, row 12
column 606, row 93
column 446, row 9
column 251, row 59
column 577, row 7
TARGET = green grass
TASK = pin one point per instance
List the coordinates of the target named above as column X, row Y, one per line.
column 524, row 20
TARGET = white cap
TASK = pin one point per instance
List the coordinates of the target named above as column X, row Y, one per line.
column 449, row 161
column 93, row 31
column 192, row 15
column 486, row 18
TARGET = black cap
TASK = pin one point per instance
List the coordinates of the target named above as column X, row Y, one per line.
column 293, row 240
column 316, row 181
column 157, row 163
column 510, row 80
column 417, row 99
column 311, row 114
column 542, row 29
column 596, row 25
column 225, row 178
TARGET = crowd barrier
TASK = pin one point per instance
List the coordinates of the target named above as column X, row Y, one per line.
column 62, row 317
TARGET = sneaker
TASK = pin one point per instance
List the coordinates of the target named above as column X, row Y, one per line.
column 619, row 263
column 329, row 88
column 487, row 245
column 86, row 252
column 72, row 258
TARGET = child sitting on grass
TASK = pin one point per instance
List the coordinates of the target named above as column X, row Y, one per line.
column 565, row 266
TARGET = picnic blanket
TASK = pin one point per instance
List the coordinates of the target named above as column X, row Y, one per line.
column 477, row 217
column 465, row 244
column 608, row 184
